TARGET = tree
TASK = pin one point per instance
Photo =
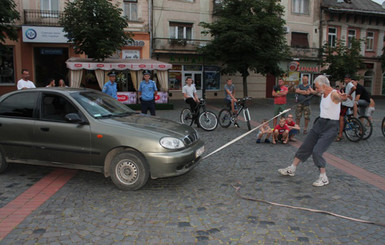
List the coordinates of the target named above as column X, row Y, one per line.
column 247, row 35
column 96, row 27
column 8, row 16
column 341, row 59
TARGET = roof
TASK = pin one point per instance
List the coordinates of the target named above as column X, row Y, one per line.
column 117, row 64
column 354, row 6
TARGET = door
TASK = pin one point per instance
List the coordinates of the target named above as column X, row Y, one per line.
column 197, row 80
column 58, row 140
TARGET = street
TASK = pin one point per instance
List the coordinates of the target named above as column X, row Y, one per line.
column 201, row 207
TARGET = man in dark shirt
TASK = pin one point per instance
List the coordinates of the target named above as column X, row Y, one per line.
column 362, row 99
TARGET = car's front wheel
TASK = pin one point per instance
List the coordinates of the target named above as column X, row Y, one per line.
column 3, row 163
column 129, row 170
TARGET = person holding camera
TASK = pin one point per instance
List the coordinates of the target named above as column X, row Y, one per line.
column 279, row 93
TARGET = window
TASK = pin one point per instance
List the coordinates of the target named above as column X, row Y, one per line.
column 55, row 108
column 299, row 40
column 332, row 36
column 180, row 30
column 300, row 6
column 131, row 9
column 19, row 105
column 369, row 41
column 351, row 37
column 50, row 8
column 7, row 71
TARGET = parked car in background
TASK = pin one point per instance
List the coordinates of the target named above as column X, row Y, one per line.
column 86, row 129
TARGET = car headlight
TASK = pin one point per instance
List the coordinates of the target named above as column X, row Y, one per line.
column 171, row 143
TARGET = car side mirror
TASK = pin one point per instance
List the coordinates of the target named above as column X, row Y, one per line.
column 74, row 118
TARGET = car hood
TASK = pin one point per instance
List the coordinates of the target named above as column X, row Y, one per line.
column 151, row 123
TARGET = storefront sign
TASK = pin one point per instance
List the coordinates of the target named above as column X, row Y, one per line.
column 51, row 51
column 135, row 43
column 161, row 98
column 131, row 54
column 186, row 59
column 127, row 97
column 40, row 34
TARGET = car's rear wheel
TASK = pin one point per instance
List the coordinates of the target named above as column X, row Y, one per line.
column 129, row 170
column 3, row 163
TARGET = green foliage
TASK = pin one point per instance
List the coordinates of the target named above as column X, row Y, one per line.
column 247, row 35
column 8, row 16
column 341, row 59
column 96, row 27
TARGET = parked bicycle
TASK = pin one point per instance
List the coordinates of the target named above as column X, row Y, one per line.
column 207, row 120
column 227, row 117
column 368, row 127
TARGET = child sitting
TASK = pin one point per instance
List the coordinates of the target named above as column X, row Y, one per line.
column 264, row 130
column 281, row 132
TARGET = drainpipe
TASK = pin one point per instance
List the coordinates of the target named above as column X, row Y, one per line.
column 320, row 34
column 150, row 24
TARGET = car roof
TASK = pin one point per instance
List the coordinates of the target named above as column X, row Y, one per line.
column 51, row 89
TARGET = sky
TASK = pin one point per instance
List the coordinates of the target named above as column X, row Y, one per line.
column 378, row 1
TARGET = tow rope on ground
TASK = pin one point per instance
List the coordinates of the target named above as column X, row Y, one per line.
column 238, row 187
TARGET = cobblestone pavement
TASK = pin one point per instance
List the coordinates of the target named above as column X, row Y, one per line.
column 201, row 207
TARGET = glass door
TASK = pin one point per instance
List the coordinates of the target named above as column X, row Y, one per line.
column 197, row 80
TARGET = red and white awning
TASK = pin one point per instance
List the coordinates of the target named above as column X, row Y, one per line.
column 117, row 64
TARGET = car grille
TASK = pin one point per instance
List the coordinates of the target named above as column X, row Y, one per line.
column 191, row 138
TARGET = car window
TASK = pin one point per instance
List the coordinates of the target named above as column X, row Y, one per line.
column 55, row 107
column 19, row 105
column 100, row 105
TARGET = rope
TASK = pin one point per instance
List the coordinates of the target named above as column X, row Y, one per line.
column 237, row 188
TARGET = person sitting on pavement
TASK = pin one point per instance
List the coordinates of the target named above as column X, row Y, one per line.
column 281, row 132
column 293, row 127
column 362, row 99
column 264, row 130
column 346, row 105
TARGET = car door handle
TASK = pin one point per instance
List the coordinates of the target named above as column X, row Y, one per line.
column 44, row 129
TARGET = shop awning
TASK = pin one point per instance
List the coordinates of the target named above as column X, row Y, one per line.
column 117, row 64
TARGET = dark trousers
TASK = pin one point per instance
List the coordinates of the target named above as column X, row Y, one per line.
column 192, row 104
column 148, row 105
column 318, row 141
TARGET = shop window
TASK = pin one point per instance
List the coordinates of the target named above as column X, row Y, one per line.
column 131, row 9
column 7, row 71
column 212, row 78
column 369, row 41
column 124, row 82
column 368, row 78
column 299, row 40
column 351, row 37
column 180, row 30
column 300, row 6
column 175, row 80
column 332, row 36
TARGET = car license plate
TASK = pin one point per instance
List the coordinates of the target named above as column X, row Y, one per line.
column 199, row 152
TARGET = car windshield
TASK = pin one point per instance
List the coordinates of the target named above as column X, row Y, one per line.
column 100, row 105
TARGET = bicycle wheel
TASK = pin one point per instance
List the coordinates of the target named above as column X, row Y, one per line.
column 368, row 127
column 353, row 129
column 383, row 126
column 186, row 117
column 247, row 118
column 224, row 118
column 208, row 120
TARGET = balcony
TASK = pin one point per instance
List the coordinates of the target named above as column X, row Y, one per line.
column 42, row 17
column 166, row 45
column 304, row 53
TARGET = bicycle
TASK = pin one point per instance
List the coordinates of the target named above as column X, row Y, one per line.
column 226, row 117
column 207, row 120
column 368, row 126
column 353, row 128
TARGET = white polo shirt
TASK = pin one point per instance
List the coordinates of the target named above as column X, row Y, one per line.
column 25, row 84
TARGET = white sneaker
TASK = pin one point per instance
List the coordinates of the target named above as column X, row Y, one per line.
column 321, row 181
column 287, row 171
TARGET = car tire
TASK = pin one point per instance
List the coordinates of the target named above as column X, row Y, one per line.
column 129, row 170
column 3, row 163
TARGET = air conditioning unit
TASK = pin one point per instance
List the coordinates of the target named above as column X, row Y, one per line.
column 286, row 29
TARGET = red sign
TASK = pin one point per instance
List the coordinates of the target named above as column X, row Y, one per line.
column 100, row 65
column 121, row 66
column 142, row 65
column 162, row 66
column 78, row 65
column 122, row 97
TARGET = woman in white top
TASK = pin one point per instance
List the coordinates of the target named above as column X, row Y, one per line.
column 323, row 132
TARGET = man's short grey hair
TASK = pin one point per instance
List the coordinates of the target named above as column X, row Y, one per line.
column 322, row 80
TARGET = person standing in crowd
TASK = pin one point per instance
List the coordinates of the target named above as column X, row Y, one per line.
column 190, row 94
column 147, row 92
column 279, row 93
column 110, row 86
column 24, row 83
column 51, row 83
column 62, row 83
column 303, row 106
column 323, row 132
column 362, row 99
column 346, row 105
